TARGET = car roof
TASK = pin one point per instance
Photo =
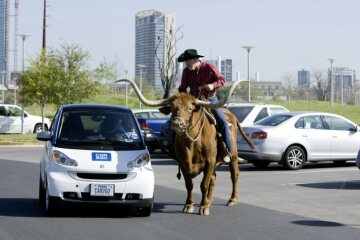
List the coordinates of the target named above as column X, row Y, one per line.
column 144, row 110
column 252, row 104
column 94, row 106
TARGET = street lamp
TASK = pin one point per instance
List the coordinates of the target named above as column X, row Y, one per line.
column 248, row 49
column 23, row 37
column 141, row 66
column 331, row 82
column 3, row 85
column 126, row 90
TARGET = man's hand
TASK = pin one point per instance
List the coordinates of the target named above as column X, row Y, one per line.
column 207, row 87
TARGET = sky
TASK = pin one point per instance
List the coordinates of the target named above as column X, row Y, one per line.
column 288, row 35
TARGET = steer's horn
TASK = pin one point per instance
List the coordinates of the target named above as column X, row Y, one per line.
column 223, row 101
column 147, row 102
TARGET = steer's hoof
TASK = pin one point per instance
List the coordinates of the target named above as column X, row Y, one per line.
column 204, row 211
column 232, row 203
column 188, row 209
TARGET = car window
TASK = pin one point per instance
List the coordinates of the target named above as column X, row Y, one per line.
column 273, row 120
column 241, row 111
column 276, row 110
column 262, row 114
column 2, row 111
column 14, row 111
column 310, row 122
column 142, row 115
column 158, row 115
column 336, row 123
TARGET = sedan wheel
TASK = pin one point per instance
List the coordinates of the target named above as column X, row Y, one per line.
column 294, row 158
column 51, row 205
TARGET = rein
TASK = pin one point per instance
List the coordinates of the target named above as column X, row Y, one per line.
column 200, row 129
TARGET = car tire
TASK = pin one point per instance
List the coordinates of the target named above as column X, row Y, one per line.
column 51, row 204
column 42, row 193
column 145, row 211
column 294, row 158
column 261, row 164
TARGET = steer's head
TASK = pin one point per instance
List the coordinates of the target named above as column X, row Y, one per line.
column 181, row 106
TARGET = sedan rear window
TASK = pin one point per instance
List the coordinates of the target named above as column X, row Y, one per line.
column 273, row 120
column 241, row 112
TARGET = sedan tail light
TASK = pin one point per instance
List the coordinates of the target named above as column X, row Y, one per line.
column 259, row 135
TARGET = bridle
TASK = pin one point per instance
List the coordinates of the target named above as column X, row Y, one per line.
column 191, row 127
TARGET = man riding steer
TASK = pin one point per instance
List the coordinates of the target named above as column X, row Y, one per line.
column 196, row 143
column 204, row 79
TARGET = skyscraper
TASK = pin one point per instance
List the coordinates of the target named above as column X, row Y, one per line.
column 152, row 38
column 304, row 79
column 4, row 40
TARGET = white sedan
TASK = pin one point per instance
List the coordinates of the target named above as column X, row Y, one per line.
column 95, row 154
column 294, row 138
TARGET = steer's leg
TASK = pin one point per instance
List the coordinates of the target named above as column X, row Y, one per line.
column 205, row 187
column 234, row 171
column 189, row 205
column 211, row 188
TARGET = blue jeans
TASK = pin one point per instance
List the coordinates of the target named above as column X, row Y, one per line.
column 222, row 123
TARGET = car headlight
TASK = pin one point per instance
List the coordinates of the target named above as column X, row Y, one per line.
column 62, row 159
column 140, row 161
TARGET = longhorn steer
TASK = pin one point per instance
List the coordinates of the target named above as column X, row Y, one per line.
column 197, row 147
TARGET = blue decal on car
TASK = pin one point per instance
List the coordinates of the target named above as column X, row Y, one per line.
column 100, row 156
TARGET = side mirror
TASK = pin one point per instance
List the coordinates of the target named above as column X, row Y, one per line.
column 354, row 129
column 44, row 136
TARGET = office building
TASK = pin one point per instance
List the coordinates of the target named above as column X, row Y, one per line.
column 154, row 32
column 304, row 79
column 4, row 41
column 224, row 66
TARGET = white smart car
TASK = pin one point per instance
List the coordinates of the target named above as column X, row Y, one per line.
column 95, row 154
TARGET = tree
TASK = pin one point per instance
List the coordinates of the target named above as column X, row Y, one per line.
column 167, row 68
column 289, row 81
column 321, row 87
column 58, row 77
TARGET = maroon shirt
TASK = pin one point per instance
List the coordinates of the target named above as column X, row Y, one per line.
column 204, row 74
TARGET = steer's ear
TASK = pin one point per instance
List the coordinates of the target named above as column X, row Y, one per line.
column 165, row 110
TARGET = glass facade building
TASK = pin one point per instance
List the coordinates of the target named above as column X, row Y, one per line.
column 304, row 79
column 151, row 28
column 4, row 40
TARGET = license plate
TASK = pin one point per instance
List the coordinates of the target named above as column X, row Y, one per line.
column 106, row 190
column 100, row 156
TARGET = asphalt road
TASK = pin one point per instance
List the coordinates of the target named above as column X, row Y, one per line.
column 318, row 202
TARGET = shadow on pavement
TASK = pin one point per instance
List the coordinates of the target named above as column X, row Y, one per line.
column 318, row 223
column 352, row 185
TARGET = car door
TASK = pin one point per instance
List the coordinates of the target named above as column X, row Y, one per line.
column 4, row 120
column 14, row 114
column 317, row 139
column 345, row 141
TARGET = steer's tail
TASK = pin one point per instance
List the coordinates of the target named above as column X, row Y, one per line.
column 247, row 139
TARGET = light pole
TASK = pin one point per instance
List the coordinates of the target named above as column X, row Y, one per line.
column 141, row 66
column 3, row 86
column 126, row 90
column 331, row 82
column 248, row 49
column 23, row 37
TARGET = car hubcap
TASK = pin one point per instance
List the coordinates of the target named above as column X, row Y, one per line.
column 295, row 158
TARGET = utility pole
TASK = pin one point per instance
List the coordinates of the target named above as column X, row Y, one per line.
column 44, row 28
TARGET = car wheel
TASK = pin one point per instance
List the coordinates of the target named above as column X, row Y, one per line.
column 145, row 211
column 38, row 128
column 51, row 204
column 260, row 164
column 42, row 193
column 294, row 158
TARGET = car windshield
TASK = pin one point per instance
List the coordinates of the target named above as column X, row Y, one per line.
column 273, row 120
column 99, row 128
column 241, row 111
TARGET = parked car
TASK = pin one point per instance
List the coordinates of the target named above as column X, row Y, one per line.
column 294, row 138
column 151, row 122
column 95, row 154
column 10, row 120
column 246, row 113
column 358, row 159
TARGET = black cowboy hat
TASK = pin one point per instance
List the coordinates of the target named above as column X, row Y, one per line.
column 188, row 54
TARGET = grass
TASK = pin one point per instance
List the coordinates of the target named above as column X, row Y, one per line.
column 349, row 111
